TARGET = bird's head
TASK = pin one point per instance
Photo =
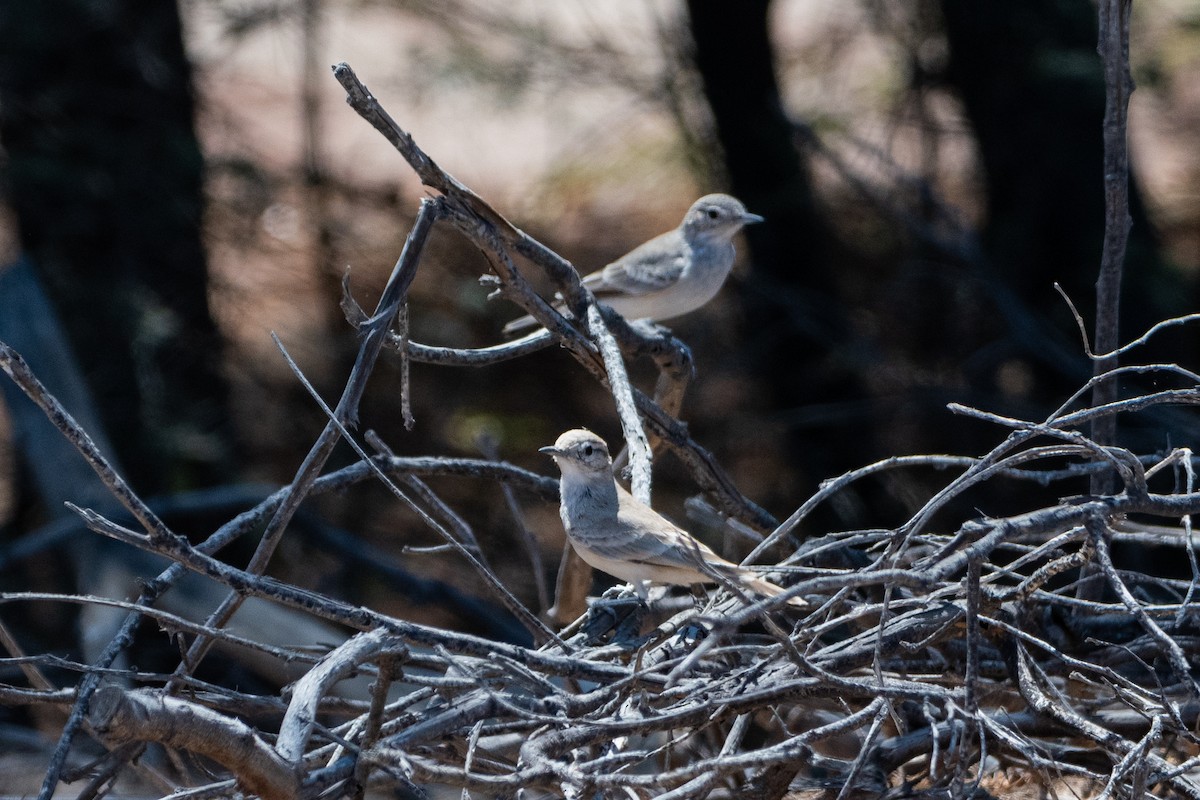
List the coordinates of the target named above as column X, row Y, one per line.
column 717, row 216
column 580, row 450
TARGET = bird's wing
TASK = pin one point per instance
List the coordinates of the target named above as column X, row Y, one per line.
column 650, row 267
column 650, row 538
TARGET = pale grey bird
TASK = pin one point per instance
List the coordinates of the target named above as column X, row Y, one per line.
column 673, row 273
column 615, row 532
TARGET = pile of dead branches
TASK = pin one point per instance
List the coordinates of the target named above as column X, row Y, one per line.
column 933, row 654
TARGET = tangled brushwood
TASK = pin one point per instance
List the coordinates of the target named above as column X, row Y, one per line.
column 938, row 656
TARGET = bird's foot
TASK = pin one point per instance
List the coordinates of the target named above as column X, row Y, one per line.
column 616, row 617
column 648, row 327
column 493, row 283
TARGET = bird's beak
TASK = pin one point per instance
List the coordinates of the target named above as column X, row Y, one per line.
column 750, row 219
column 550, row 451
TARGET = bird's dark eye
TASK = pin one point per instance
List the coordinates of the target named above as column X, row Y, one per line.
column 587, row 449
column 713, row 213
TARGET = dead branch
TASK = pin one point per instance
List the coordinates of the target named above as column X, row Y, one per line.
column 144, row 716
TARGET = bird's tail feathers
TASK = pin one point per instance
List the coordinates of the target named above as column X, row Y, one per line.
column 519, row 324
column 768, row 589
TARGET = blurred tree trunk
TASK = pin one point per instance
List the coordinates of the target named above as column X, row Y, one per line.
column 795, row 328
column 1030, row 79
column 104, row 174
column 735, row 60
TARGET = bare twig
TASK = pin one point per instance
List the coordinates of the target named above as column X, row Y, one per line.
column 475, row 559
column 346, row 412
column 618, row 381
column 1118, row 83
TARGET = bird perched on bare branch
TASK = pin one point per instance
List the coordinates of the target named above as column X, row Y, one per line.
column 673, row 273
column 615, row 532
